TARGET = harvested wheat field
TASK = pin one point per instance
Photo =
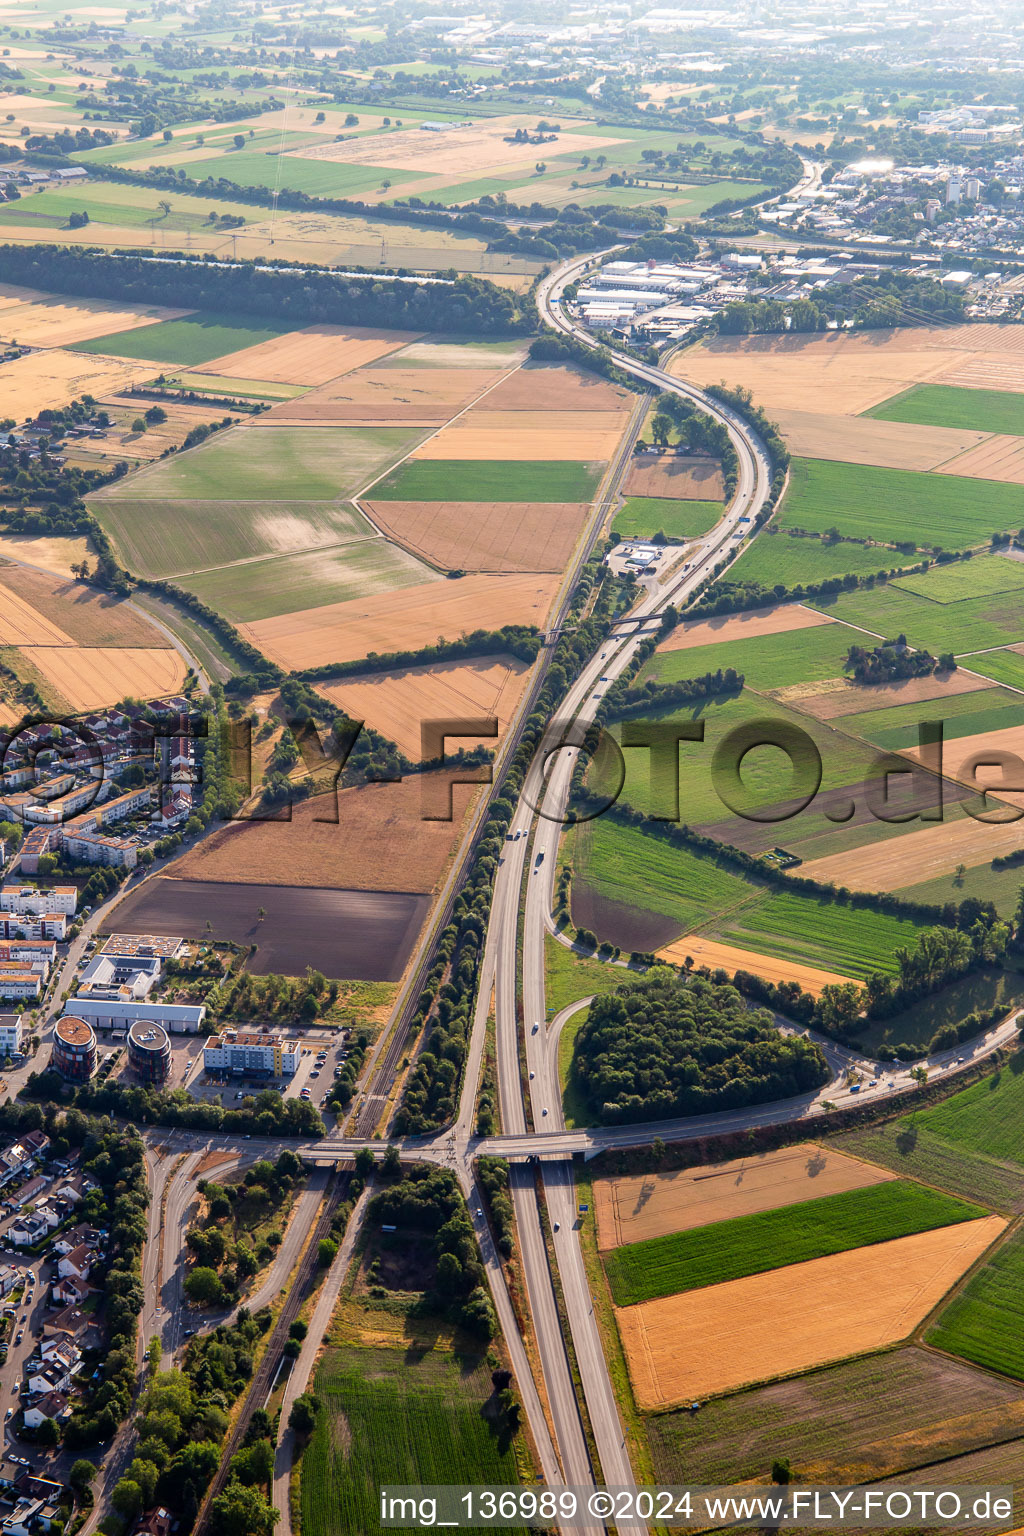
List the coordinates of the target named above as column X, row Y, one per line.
column 397, row 703
column 74, row 614
column 922, row 855
column 403, row 620
column 122, row 442
column 39, row 320
column 90, row 677
column 43, row 380
column 380, row 842
column 484, row 535
column 995, row 458
column 381, row 395
column 863, row 440
column 707, row 1342
column 527, row 435
column 638, row 1206
column 679, row 479
column 310, row 356
column 962, row 756
column 731, row 958
column 840, row 371
column 51, row 554
column 841, row 697
column 473, row 150
column 21, row 624
column 551, row 387
column 744, row 626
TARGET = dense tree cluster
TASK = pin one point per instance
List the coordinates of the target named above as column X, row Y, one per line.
column 520, row 640
column 263, row 1114
column 892, row 660
column 881, row 302
column 219, row 1242
column 492, row 1172
column 465, row 305
column 428, row 1201
column 662, row 1046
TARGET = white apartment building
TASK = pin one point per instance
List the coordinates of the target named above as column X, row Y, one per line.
column 242, row 1054
column 38, row 900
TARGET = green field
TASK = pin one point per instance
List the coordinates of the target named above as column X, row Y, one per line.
column 1002, row 666
column 196, row 339
column 778, row 557
column 321, row 178
column 569, row 977
column 852, row 941
column 271, row 464
column 973, row 625
column 751, row 1245
column 985, row 1322
column 489, row 480
column 1000, row 886
column 261, row 589
column 916, row 1153
column 821, row 1415
column 644, row 516
column 943, row 405
column 865, row 502
column 976, row 992
column 396, row 1417
column 622, row 863
column 981, row 576
column 170, row 538
column 767, row 661
column 964, row 714
column 987, row 1117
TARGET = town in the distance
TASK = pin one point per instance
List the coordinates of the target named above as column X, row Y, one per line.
column 511, row 768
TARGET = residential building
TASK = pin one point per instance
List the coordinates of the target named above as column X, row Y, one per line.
column 76, row 1264
column 10, row 1034
column 38, row 898
column 53, row 1406
column 242, row 1054
column 19, row 979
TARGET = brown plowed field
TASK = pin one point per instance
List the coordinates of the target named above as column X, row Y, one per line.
column 731, row 958
column 91, row 677
column 525, row 435
column 403, row 620
column 40, row 320
column 43, row 380
column 310, row 356
column 484, row 535
column 397, row 703
column 640, row 1206
column 744, row 626
column 680, row 479
column 72, row 613
column 379, row 843
column 862, row 440
column 381, row 395
column 712, row 1341
column 995, row 458
column 842, row 371
column 848, row 699
column 922, row 855
column 549, row 387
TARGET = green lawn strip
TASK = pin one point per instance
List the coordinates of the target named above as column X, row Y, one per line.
column 985, row 1322
column 852, row 941
column 262, row 589
column 263, row 463
column 569, row 977
column 981, row 576
column 777, row 557
column 645, row 516
column 767, row 661
column 1001, row 712
column 987, row 1117
column 1001, row 665
column 910, row 1149
column 1001, row 886
column 494, row 480
column 396, row 1417
column 944, row 405
column 245, row 389
column 863, row 501
column 197, row 339
column 172, row 538
column 972, row 625
column 766, row 1240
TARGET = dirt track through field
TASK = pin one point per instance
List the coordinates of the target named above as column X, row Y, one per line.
column 862, row 440
column 640, row 1206
column 731, row 958
column 484, row 535
column 310, row 356
column 711, row 1341
column 679, row 479
column 751, row 625
column 404, row 620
